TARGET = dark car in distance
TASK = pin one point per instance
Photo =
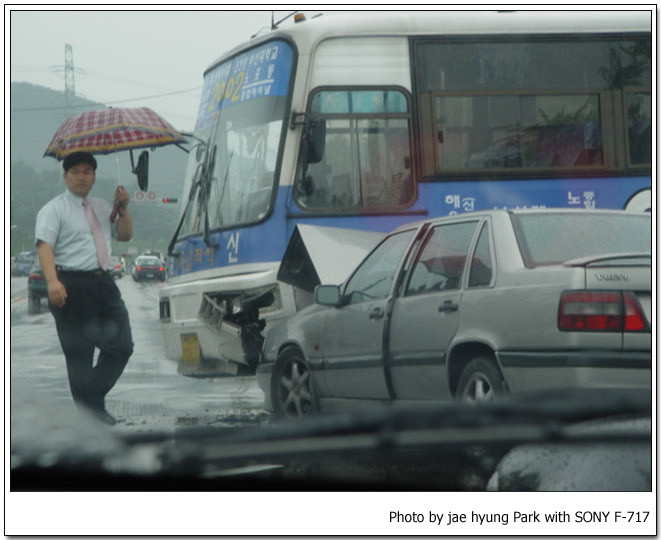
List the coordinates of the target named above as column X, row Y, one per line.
column 153, row 253
column 148, row 268
column 37, row 289
column 22, row 265
column 116, row 268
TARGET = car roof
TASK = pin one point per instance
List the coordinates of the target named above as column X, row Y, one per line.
column 517, row 211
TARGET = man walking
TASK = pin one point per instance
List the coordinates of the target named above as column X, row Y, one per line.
column 73, row 235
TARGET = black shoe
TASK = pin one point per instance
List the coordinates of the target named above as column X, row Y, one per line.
column 104, row 416
column 97, row 410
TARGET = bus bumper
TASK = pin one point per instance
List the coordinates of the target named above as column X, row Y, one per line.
column 216, row 326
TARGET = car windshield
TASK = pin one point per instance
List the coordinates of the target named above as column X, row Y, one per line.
column 381, row 351
column 544, row 239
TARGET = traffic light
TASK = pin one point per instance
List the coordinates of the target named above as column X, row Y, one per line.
column 170, row 200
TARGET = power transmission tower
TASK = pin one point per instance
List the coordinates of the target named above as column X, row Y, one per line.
column 69, row 82
column 69, row 74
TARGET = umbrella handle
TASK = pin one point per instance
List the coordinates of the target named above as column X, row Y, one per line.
column 116, row 210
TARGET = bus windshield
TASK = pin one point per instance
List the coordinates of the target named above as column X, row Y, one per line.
column 230, row 176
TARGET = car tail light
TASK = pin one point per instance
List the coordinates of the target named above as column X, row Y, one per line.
column 138, row 268
column 160, row 268
column 36, row 276
column 600, row 311
column 634, row 320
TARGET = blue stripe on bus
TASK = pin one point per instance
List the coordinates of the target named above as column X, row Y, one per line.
column 266, row 242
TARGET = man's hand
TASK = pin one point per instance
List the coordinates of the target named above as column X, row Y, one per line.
column 57, row 293
column 124, row 220
column 122, row 196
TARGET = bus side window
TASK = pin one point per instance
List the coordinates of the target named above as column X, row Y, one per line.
column 367, row 159
column 547, row 104
column 639, row 127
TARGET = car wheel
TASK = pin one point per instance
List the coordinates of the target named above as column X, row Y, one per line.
column 292, row 393
column 480, row 382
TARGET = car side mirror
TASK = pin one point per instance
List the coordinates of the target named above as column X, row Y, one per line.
column 328, row 295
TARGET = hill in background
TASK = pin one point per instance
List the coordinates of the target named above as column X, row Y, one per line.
column 36, row 113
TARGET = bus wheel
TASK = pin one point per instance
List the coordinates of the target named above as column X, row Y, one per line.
column 292, row 392
column 480, row 382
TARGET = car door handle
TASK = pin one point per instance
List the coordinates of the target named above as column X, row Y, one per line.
column 448, row 305
column 377, row 313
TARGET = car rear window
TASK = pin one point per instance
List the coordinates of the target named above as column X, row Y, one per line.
column 554, row 238
column 152, row 261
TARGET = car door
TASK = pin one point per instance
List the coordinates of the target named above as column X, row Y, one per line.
column 353, row 335
column 425, row 315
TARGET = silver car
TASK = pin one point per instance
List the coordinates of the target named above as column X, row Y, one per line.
column 474, row 307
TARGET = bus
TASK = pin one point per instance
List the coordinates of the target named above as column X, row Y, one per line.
column 361, row 122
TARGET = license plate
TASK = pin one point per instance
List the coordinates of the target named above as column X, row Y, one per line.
column 150, row 275
column 190, row 349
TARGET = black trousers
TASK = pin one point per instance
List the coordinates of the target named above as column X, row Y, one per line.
column 93, row 316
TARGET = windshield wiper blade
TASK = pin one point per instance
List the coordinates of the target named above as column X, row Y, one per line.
column 175, row 236
column 203, row 183
column 526, row 419
column 449, row 440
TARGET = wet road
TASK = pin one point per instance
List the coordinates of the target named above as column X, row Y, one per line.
column 149, row 397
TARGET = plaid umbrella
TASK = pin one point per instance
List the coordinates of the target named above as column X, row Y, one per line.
column 112, row 130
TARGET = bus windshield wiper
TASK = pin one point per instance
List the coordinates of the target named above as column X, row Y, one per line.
column 207, row 177
column 202, row 182
column 191, row 194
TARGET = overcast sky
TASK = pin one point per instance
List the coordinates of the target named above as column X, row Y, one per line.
column 129, row 58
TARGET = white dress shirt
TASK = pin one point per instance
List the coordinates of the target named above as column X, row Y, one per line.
column 62, row 224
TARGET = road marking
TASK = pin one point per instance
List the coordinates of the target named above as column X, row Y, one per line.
column 15, row 300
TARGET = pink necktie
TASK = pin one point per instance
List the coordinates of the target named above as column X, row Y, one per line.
column 97, row 233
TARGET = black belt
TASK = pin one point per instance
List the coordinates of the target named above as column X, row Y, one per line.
column 81, row 273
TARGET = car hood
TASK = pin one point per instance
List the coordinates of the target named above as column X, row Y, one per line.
column 618, row 466
column 423, row 447
column 316, row 255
